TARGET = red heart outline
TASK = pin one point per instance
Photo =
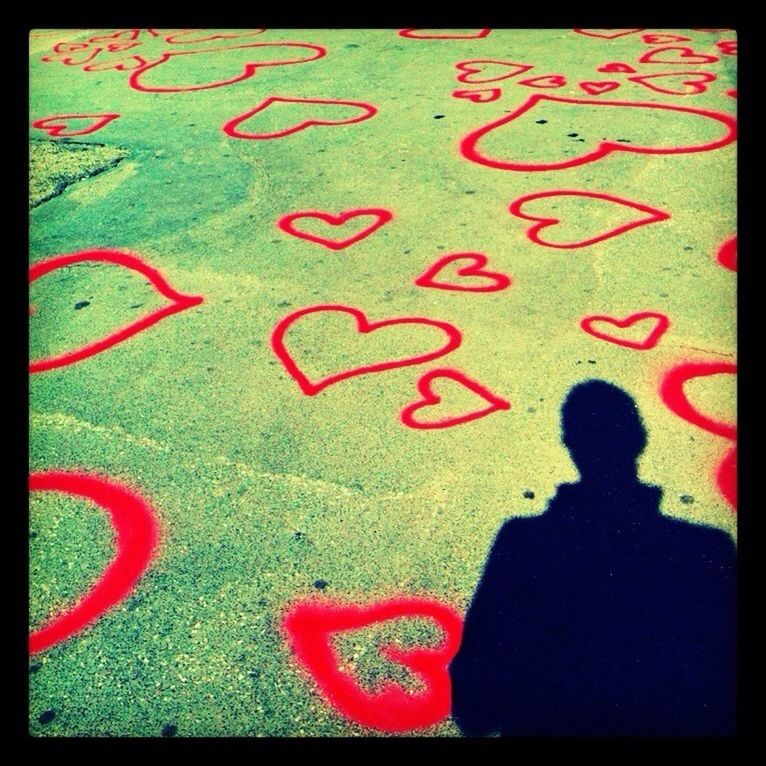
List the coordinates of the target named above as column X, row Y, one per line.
column 498, row 280
column 726, row 477
column 429, row 398
column 654, row 215
column 230, row 128
column 170, row 39
column 383, row 216
column 615, row 66
column 180, row 302
column 136, row 539
column 619, row 33
column 363, row 326
column 662, row 39
column 596, row 88
column 727, row 254
column 650, row 341
column 674, row 398
column 545, row 81
column 697, row 85
column 482, row 96
column 687, row 54
column 727, row 47
column 470, row 152
column 408, row 34
column 99, row 121
column 307, row 628
column 467, row 69
column 249, row 70
column 71, row 60
column 129, row 34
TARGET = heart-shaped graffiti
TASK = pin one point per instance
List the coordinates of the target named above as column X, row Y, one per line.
column 676, row 83
column 614, row 67
column 726, row 477
column 607, row 34
column 659, row 321
column 61, row 124
column 288, row 224
column 491, row 281
column 179, row 302
column 480, row 71
column 676, row 55
column 595, row 88
column 442, row 34
column 545, row 81
column 136, row 538
column 479, row 96
column 727, row 254
column 310, row 626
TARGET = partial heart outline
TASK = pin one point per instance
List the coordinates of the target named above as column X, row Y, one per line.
column 479, row 96
column 498, row 280
column 364, row 326
column 230, row 128
column 54, row 130
column 533, row 232
column 615, row 66
column 727, row 254
column 470, row 152
column 137, row 537
column 170, row 39
column 429, row 398
column 727, row 47
column 662, row 39
column 545, row 81
column 649, row 342
column 285, row 223
column 468, row 69
column 135, row 80
column 594, row 88
column 687, row 56
column 726, row 477
column 179, row 302
column 674, row 398
column 698, row 84
column 408, row 33
column 308, row 628
column 613, row 36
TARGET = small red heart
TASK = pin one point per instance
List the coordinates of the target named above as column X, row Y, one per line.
column 497, row 70
column 115, row 47
column 727, row 47
column 687, row 83
column 479, row 96
column 674, row 398
column 381, row 216
column 727, row 254
column 662, row 39
column 136, row 537
column 57, row 124
column 650, row 341
column 594, row 88
column 364, row 326
column 615, row 66
column 477, row 261
column 411, row 33
column 726, row 477
column 309, row 627
column 546, row 81
column 179, row 302
column 682, row 55
column 607, row 34
column 231, row 127
column 429, row 399
column 541, row 222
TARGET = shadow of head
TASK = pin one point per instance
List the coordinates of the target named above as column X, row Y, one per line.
column 602, row 429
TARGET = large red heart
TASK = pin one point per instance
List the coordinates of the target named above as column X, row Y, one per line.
column 726, row 477
column 469, row 144
column 429, row 399
column 179, row 302
column 364, row 326
column 650, row 341
column 543, row 222
column 662, row 83
column 57, row 124
column 664, row 38
column 607, row 34
column 615, row 66
column 230, row 128
column 479, row 71
column 480, row 96
column 309, row 627
column 672, row 394
column 136, row 538
column 412, row 33
column 493, row 280
column 595, row 88
column 683, row 55
column 545, row 81
column 381, row 215
column 139, row 78
column 727, row 254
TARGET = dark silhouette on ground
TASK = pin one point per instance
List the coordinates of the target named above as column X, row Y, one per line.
column 601, row 617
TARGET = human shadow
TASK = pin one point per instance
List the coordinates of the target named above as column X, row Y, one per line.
column 601, row 617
